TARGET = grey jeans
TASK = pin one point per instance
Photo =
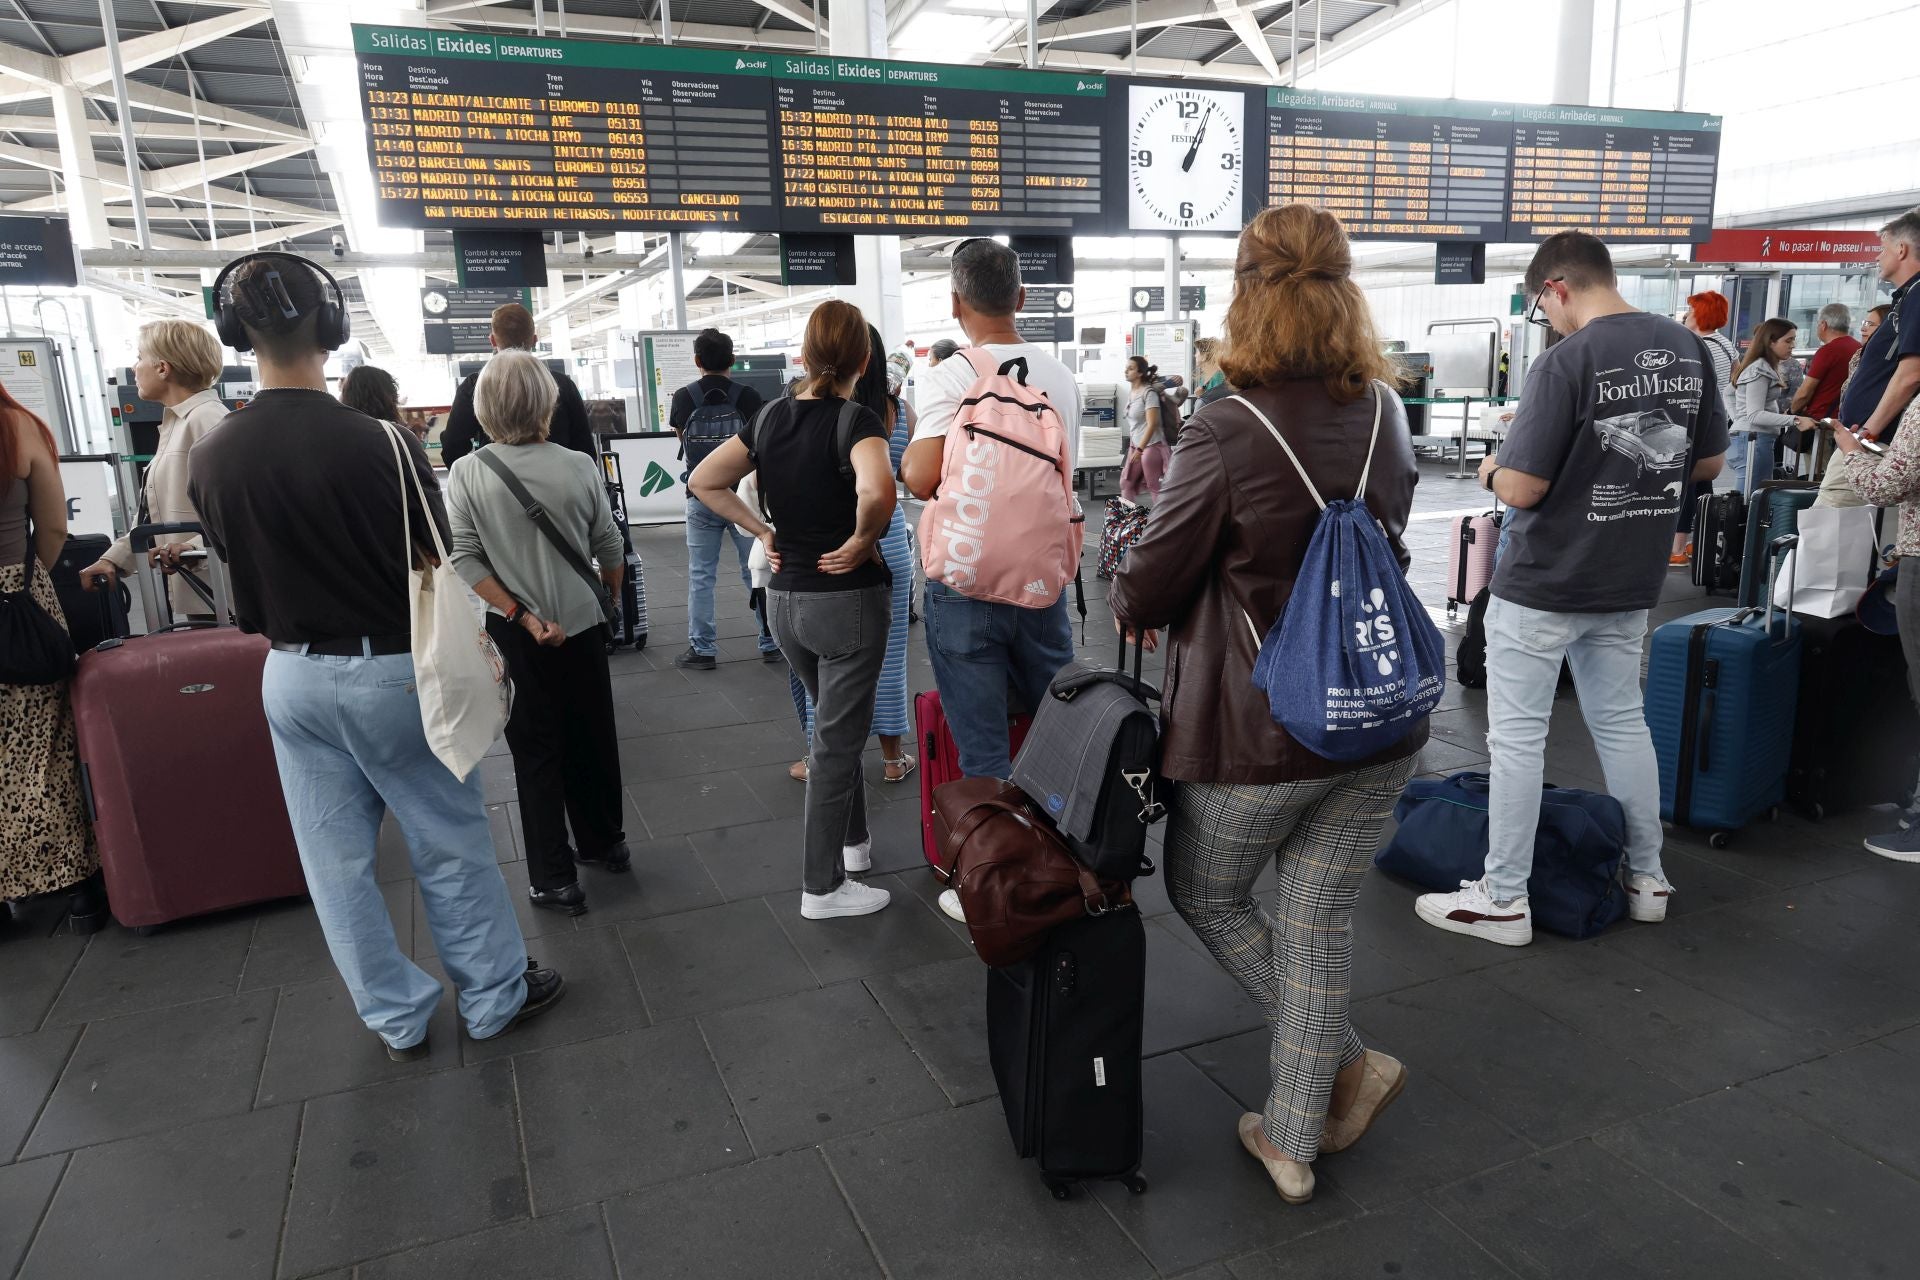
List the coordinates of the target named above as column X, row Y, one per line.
column 836, row 642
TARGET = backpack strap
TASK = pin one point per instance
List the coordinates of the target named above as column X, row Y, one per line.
column 1379, row 403
column 543, row 522
column 843, row 436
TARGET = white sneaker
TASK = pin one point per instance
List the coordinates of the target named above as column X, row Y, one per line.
column 1647, row 898
column 858, row 857
column 851, row 899
column 1473, row 911
column 950, row 903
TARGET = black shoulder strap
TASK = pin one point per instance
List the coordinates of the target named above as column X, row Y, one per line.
column 843, row 436
column 543, row 522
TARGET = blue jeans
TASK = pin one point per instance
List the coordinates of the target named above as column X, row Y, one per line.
column 979, row 649
column 1762, row 471
column 705, row 533
column 347, row 735
column 1524, row 651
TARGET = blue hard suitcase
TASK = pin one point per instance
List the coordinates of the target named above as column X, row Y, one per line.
column 1722, row 686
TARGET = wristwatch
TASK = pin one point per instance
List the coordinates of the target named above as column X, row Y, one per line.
column 1487, row 483
column 516, row 611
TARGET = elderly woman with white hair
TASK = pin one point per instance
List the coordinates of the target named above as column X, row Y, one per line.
column 547, row 609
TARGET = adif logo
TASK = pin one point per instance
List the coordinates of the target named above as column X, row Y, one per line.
column 1374, row 632
column 965, row 533
column 1096, row 85
column 1658, row 359
column 742, row 64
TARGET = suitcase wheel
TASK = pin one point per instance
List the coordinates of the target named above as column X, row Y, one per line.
column 145, row 930
column 1137, row 1185
column 1061, row 1190
column 1817, row 812
column 641, row 643
column 1720, row 839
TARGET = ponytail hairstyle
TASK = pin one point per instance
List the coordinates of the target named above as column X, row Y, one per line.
column 836, row 347
column 1296, row 312
column 1765, row 334
column 1149, row 373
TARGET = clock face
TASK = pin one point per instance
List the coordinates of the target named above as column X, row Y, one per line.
column 435, row 302
column 1186, row 159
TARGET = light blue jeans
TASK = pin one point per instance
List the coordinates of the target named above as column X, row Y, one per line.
column 347, row 735
column 1524, row 651
column 706, row 532
column 1762, row 470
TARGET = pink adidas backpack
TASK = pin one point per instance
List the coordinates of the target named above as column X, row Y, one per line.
column 1003, row 525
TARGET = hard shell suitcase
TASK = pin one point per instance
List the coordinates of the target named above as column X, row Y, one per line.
column 1063, row 1033
column 93, row 617
column 1470, row 558
column 629, row 626
column 1856, row 736
column 940, row 760
column 1719, row 541
column 1721, row 689
column 1772, row 513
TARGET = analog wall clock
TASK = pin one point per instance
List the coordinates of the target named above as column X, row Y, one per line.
column 1186, row 158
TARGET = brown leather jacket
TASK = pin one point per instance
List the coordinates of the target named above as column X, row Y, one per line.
column 1224, row 545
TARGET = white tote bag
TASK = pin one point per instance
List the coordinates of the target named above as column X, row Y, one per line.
column 1829, row 570
column 458, row 675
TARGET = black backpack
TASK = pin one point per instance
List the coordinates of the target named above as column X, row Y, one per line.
column 716, row 419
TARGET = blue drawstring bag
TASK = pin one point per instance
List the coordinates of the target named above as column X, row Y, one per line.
column 1354, row 663
column 1579, row 849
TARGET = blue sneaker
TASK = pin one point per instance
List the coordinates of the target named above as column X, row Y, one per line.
column 1901, row 846
column 1909, row 816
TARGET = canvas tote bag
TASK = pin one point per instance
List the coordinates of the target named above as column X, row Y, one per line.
column 458, row 675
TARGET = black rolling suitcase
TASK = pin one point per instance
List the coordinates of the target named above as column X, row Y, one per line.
column 1719, row 541
column 1063, row 1031
column 630, row 619
column 1856, row 735
column 93, row 617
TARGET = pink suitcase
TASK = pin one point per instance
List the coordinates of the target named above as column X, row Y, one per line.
column 180, row 776
column 1470, row 558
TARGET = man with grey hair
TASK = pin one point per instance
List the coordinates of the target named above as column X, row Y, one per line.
column 1889, row 373
column 980, row 648
column 1819, row 393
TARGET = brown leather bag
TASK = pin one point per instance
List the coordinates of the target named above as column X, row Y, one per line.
column 1015, row 877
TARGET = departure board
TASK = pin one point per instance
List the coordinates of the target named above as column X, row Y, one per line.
column 477, row 130
column 1623, row 175
column 1392, row 168
column 885, row 146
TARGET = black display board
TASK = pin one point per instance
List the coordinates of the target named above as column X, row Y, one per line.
column 1044, row 259
column 500, row 259
column 459, row 321
column 817, row 259
column 1460, row 262
column 37, row 251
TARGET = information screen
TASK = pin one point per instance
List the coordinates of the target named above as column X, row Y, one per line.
column 1623, row 175
column 478, row 130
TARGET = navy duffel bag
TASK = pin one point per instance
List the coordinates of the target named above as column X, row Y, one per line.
column 1578, row 850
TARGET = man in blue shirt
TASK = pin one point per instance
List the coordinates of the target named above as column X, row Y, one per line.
column 1889, row 372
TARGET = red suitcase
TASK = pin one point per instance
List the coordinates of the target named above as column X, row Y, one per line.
column 940, row 758
column 174, row 845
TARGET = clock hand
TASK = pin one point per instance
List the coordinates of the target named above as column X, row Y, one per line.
column 1194, row 150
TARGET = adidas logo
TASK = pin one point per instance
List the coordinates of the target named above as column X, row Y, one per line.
column 1036, row 588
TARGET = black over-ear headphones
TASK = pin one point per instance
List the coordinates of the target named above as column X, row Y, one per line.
column 266, row 294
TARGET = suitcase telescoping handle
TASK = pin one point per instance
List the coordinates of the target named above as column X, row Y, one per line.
column 142, row 537
column 1778, row 549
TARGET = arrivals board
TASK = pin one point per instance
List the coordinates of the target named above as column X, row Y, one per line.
column 1623, row 175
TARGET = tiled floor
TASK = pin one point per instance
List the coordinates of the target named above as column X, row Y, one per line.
column 731, row 1091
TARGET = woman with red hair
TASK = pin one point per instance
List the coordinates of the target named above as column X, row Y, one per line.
column 44, row 841
column 1705, row 314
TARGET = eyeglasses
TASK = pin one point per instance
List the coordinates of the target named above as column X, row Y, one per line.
column 1534, row 314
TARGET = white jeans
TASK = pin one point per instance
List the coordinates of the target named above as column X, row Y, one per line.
column 1524, row 650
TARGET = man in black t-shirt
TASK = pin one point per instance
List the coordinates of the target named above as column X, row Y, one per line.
column 1616, row 422
column 513, row 330
column 703, row 415
column 304, row 500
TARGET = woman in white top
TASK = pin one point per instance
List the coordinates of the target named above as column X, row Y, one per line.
column 176, row 366
column 1148, row 451
column 1756, row 379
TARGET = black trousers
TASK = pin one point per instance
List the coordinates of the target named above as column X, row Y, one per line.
column 566, row 757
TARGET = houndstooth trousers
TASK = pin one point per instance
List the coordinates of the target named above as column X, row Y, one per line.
column 1297, row 962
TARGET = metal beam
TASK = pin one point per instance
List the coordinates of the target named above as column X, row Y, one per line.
column 142, row 129
column 179, row 104
column 642, row 31
column 793, row 13
column 166, row 181
column 90, row 67
column 1241, row 20
column 1155, row 13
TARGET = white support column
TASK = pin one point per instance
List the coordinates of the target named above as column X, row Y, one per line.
column 86, row 202
column 1573, row 54
column 1171, row 310
column 859, row 30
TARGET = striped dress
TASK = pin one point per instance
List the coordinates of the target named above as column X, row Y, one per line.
column 890, row 703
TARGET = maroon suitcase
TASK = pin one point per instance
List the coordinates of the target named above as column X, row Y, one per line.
column 940, row 759
column 171, row 844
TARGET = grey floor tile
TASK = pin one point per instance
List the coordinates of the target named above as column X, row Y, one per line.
column 1190, row 999
column 941, row 1009
column 753, row 859
column 1793, row 1190
column 288, row 946
column 1874, row 937
column 1847, row 1096
column 1825, row 1001
column 1674, row 1030
column 778, row 794
column 203, row 1202
column 401, row 1164
column 695, row 709
column 1207, row 1197
column 991, row 1215
column 535, row 922
column 1784, row 854
column 896, row 835
column 1513, row 1060
column 1440, row 756
column 601, row 997
column 29, row 1066
column 710, row 751
column 667, row 877
column 503, row 820
column 676, row 806
column 809, row 1067
column 25, row 1190
column 566, row 1246
column 122, row 972
column 640, row 686
column 714, row 958
column 151, row 1071
column 36, row 969
column 782, row 1216
column 1411, row 1239
column 319, row 1045
column 624, row 1112
column 906, row 934
column 1705, row 886
column 1430, row 1136
column 1577, row 1213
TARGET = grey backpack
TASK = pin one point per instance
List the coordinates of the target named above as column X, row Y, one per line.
column 1091, row 761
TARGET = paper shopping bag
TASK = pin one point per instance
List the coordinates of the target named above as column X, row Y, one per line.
column 1831, row 567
